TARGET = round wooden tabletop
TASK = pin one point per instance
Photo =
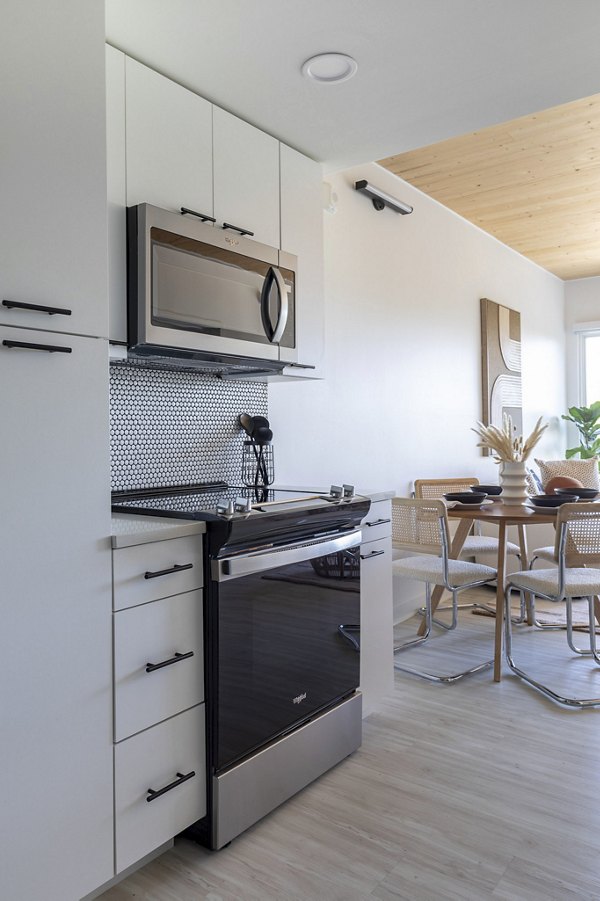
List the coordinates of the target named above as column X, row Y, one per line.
column 499, row 512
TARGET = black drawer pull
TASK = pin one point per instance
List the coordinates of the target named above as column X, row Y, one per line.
column 167, row 572
column 202, row 216
column 236, row 228
column 377, row 522
column 150, row 667
column 153, row 794
column 16, row 305
column 372, row 554
column 49, row 348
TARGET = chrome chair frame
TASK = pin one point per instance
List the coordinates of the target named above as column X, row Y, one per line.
column 455, row 591
column 562, row 556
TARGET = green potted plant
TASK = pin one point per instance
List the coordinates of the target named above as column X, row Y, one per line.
column 587, row 422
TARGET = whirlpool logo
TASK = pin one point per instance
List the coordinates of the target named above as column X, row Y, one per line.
column 300, row 698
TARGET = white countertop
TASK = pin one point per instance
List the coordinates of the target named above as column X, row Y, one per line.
column 128, row 529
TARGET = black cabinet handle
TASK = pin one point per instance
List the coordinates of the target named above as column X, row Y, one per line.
column 377, row 522
column 153, row 794
column 372, row 554
column 236, row 228
column 16, row 305
column 202, row 216
column 167, row 572
column 150, row 667
column 49, row 348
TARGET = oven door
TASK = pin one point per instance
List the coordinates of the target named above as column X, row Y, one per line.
column 198, row 288
column 285, row 633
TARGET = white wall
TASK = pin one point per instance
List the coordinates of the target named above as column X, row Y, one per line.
column 582, row 304
column 403, row 367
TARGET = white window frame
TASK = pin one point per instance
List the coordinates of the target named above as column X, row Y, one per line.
column 584, row 330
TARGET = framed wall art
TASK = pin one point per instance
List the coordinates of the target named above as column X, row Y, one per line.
column 500, row 366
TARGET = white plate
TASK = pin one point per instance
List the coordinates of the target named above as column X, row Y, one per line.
column 460, row 506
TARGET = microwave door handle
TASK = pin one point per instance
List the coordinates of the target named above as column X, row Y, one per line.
column 284, row 307
column 264, row 303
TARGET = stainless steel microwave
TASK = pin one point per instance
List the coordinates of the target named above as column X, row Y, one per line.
column 197, row 292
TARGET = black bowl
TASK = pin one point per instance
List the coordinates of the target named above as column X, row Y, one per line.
column 582, row 493
column 552, row 500
column 466, row 497
column 489, row 489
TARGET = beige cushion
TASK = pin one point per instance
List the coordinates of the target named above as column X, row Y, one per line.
column 579, row 582
column 482, row 544
column 430, row 569
column 545, row 553
column 586, row 471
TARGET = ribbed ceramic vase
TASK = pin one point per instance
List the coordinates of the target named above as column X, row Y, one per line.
column 514, row 484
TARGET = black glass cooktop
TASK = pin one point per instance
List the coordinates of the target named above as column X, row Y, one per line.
column 199, row 501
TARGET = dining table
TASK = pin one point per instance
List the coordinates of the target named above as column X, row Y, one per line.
column 501, row 515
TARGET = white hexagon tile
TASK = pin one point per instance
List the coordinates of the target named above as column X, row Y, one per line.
column 177, row 428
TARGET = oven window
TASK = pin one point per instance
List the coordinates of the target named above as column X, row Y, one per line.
column 287, row 648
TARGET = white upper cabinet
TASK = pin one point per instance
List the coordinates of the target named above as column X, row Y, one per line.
column 246, row 177
column 53, row 193
column 302, row 235
column 169, row 142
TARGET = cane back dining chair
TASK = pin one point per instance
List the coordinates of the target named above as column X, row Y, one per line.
column 426, row 489
column 421, row 526
column 577, row 575
column 435, row 489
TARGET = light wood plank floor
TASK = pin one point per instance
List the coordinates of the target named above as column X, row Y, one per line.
column 468, row 791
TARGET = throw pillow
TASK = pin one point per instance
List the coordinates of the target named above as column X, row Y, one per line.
column 585, row 471
column 532, row 482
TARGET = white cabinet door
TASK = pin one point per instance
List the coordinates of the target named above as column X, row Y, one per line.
column 246, row 177
column 56, row 818
column 159, row 760
column 159, row 661
column 169, row 142
column 53, row 190
column 117, row 194
column 376, row 623
column 302, row 235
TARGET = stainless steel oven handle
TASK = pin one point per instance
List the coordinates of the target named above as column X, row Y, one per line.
column 246, row 564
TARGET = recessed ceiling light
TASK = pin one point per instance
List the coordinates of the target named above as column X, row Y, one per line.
column 330, row 68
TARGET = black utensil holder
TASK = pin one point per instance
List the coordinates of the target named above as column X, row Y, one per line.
column 258, row 465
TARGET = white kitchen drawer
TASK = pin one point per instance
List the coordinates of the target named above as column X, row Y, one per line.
column 135, row 568
column 152, row 760
column 149, row 635
column 378, row 521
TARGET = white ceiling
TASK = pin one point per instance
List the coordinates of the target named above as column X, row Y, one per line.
column 428, row 69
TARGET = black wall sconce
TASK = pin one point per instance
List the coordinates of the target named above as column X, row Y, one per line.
column 380, row 199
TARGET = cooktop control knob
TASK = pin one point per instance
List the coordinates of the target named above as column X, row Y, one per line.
column 226, row 506
column 336, row 491
column 348, row 491
column 243, row 504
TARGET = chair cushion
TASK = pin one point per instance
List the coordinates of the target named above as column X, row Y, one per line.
column 430, row 569
column 546, row 553
column 482, row 544
column 579, row 582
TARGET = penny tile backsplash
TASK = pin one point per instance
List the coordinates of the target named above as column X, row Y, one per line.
column 176, row 428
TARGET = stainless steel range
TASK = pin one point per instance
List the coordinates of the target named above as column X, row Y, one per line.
column 282, row 614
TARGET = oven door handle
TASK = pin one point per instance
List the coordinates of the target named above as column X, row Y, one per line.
column 247, row 564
